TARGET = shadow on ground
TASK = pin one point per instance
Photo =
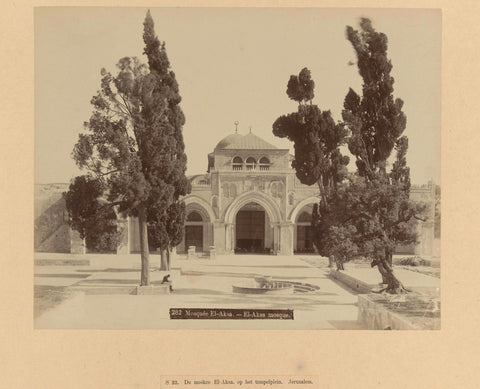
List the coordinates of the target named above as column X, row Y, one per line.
column 46, row 297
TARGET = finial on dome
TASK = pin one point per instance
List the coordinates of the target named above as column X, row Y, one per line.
column 236, row 126
column 250, row 129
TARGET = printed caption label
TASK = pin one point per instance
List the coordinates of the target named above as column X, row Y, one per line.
column 251, row 382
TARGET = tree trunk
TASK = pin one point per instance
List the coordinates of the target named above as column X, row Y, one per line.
column 382, row 167
column 390, row 258
column 389, row 262
column 168, row 258
column 331, row 261
column 163, row 260
column 322, row 190
column 145, row 272
column 339, row 263
column 394, row 286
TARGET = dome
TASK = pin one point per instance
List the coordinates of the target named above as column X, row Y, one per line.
column 228, row 140
column 243, row 142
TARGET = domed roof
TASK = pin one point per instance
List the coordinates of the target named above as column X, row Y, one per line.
column 228, row 140
column 243, row 142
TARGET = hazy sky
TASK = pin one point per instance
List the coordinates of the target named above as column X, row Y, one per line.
column 231, row 64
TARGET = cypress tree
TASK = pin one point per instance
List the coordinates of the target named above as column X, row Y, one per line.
column 133, row 146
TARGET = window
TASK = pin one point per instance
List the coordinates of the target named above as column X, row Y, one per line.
column 251, row 163
column 237, row 163
column 264, row 163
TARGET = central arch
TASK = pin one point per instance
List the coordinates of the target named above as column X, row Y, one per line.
column 253, row 230
column 237, row 236
column 260, row 198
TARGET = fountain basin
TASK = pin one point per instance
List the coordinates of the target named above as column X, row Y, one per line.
column 271, row 287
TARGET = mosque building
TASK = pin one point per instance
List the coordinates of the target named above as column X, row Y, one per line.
column 250, row 201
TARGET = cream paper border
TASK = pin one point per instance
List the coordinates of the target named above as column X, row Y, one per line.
column 448, row 358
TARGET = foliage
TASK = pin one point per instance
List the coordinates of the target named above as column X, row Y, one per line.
column 91, row 215
column 315, row 134
column 166, row 226
column 375, row 119
column 300, row 88
column 133, row 146
column 367, row 213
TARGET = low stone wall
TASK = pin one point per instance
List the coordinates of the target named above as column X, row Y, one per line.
column 123, row 289
column 353, row 283
column 153, row 289
column 103, row 290
column 374, row 316
column 62, row 262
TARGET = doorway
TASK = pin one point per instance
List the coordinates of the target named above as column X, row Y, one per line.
column 250, row 230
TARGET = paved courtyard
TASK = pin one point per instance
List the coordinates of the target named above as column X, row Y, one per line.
column 201, row 283
column 98, row 295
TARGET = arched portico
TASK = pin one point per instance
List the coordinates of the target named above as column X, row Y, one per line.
column 199, row 218
column 301, row 218
column 195, row 202
column 308, row 201
column 280, row 233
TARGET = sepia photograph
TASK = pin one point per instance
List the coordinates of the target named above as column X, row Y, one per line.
column 237, row 168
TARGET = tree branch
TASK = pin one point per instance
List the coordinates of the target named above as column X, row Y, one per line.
column 110, row 172
column 419, row 218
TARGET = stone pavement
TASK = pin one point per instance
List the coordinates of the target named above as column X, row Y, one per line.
column 198, row 283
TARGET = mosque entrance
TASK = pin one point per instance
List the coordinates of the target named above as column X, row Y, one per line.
column 194, row 237
column 250, row 230
column 194, row 231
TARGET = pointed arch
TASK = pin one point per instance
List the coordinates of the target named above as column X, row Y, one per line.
column 300, row 205
column 260, row 198
column 201, row 205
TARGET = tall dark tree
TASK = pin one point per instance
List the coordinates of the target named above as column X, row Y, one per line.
column 375, row 119
column 380, row 211
column 133, row 146
column 318, row 160
column 166, row 222
column 166, row 228
column 316, row 137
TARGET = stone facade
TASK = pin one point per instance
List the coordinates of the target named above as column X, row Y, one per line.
column 426, row 230
column 245, row 173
